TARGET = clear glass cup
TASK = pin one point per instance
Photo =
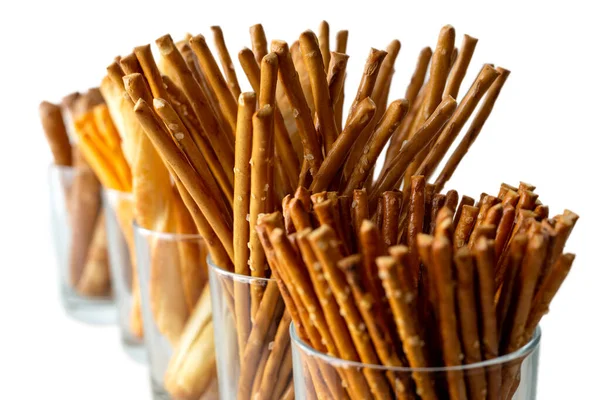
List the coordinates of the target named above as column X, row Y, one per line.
column 79, row 241
column 253, row 351
column 316, row 372
column 118, row 209
column 177, row 317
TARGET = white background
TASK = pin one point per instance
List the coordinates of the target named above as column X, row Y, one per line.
column 544, row 130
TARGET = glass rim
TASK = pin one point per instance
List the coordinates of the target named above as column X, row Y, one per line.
column 169, row 236
column 520, row 353
column 232, row 275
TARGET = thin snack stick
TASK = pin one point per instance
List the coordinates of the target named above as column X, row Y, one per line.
column 259, row 42
column 484, row 205
column 478, row 122
column 226, row 62
column 324, row 43
column 416, row 214
column 336, row 76
column 464, row 227
column 459, row 69
column 392, row 206
column 151, row 72
column 464, row 200
column 56, row 133
column 505, row 226
column 275, row 358
column 360, row 212
column 418, row 77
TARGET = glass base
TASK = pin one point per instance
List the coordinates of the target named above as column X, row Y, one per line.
column 135, row 349
column 91, row 310
column 159, row 392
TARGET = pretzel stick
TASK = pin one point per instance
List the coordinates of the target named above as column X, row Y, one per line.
column 478, row 122
column 130, row 64
column 464, row 226
column 324, row 43
column 56, row 133
column 343, row 144
column 460, row 66
column 314, row 62
column 396, row 277
column 259, row 42
column 275, row 358
column 548, row 289
column 564, row 226
column 392, row 206
column 336, row 76
column 302, row 114
column 360, row 212
column 326, row 215
column 466, row 299
column 374, row 145
column 484, row 254
column 485, row 204
column 198, row 101
column 416, row 212
column 189, row 177
column 437, row 204
column 340, row 47
column 226, row 62
column 442, row 274
column 390, row 178
column 464, row 200
column 466, row 107
column 325, row 246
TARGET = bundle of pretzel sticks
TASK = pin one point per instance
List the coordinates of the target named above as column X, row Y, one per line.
column 466, row 282
column 88, row 269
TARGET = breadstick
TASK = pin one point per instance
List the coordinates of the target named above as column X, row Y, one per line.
column 374, row 145
column 259, row 42
column 198, row 101
column 392, row 207
column 314, row 62
column 484, row 254
column 546, row 292
column 464, row 226
column 390, row 178
column 466, row 107
column 56, row 133
column 302, row 114
column 226, row 62
column 442, row 275
column 397, row 281
column 130, row 64
column 186, row 173
column 466, row 299
column 325, row 247
column 343, row 144
column 460, row 66
column 473, row 132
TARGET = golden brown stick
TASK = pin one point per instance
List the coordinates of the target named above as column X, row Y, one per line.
column 56, row 133
column 130, row 64
column 341, row 41
column 478, row 122
column 442, row 274
column 334, row 160
column 275, row 358
column 437, row 204
column 484, row 205
column 506, row 293
column 336, row 77
column 324, row 245
column 392, row 206
column 416, row 214
column 486, row 77
column 327, row 213
column 190, row 178
column 341, row 44
column 151, row 72
column 324, row 43
column 548, row 289
column 314, row 62
column 375, row 145
column 527, row 279
column 397, row 281
column 384, row 80
column 259, row 42
column 564, row 226
column 299, row 215
column 464, row 200
column 211, row 70
column 95, row 277
column 505, row 226
column 360, row 212
column 466, row 301
column 391, row 178
column 226, row 62
column 484, row 255
column 451, row 200
column 464, row 227
column 298, row 61
column 418, row 77
column 303, row 115
column 460, row 67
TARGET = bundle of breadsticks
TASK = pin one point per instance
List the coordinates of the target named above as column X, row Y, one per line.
column 455, row 283
column 88, row 269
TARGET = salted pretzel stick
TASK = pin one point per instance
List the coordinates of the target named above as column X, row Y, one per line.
column 130, row 64
column 527, row 279
column 464, row 200
column 473, row 132
column 198, row 101
column 259, row 42
column 326, row 215
column 360, row 212
column 340, row 47
column 505, row 226
column 299, row 215
column 275, row 358
column 336, row 76
column 392, row 206
column 211, row 70
column 484, row 205
column 189, row 177
column 466, row 107
column 150, row 71
column 451, row 200
column 365, row 89
column 324, row 245
column 56, row 133
column 375, row 144
column 298, row 60
column 564, row 226
column 309, row 44
column 548, row 289
column 459, row 69
column 437, row 204
column 324, row 43
column 391, row 177
column 442, row 275
column 416, row 213
column 303, row 115
column 466, row 302
column 226, row 63
column 484, row 255
column 343, row 144
column 397, row 281
column 464, row 226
